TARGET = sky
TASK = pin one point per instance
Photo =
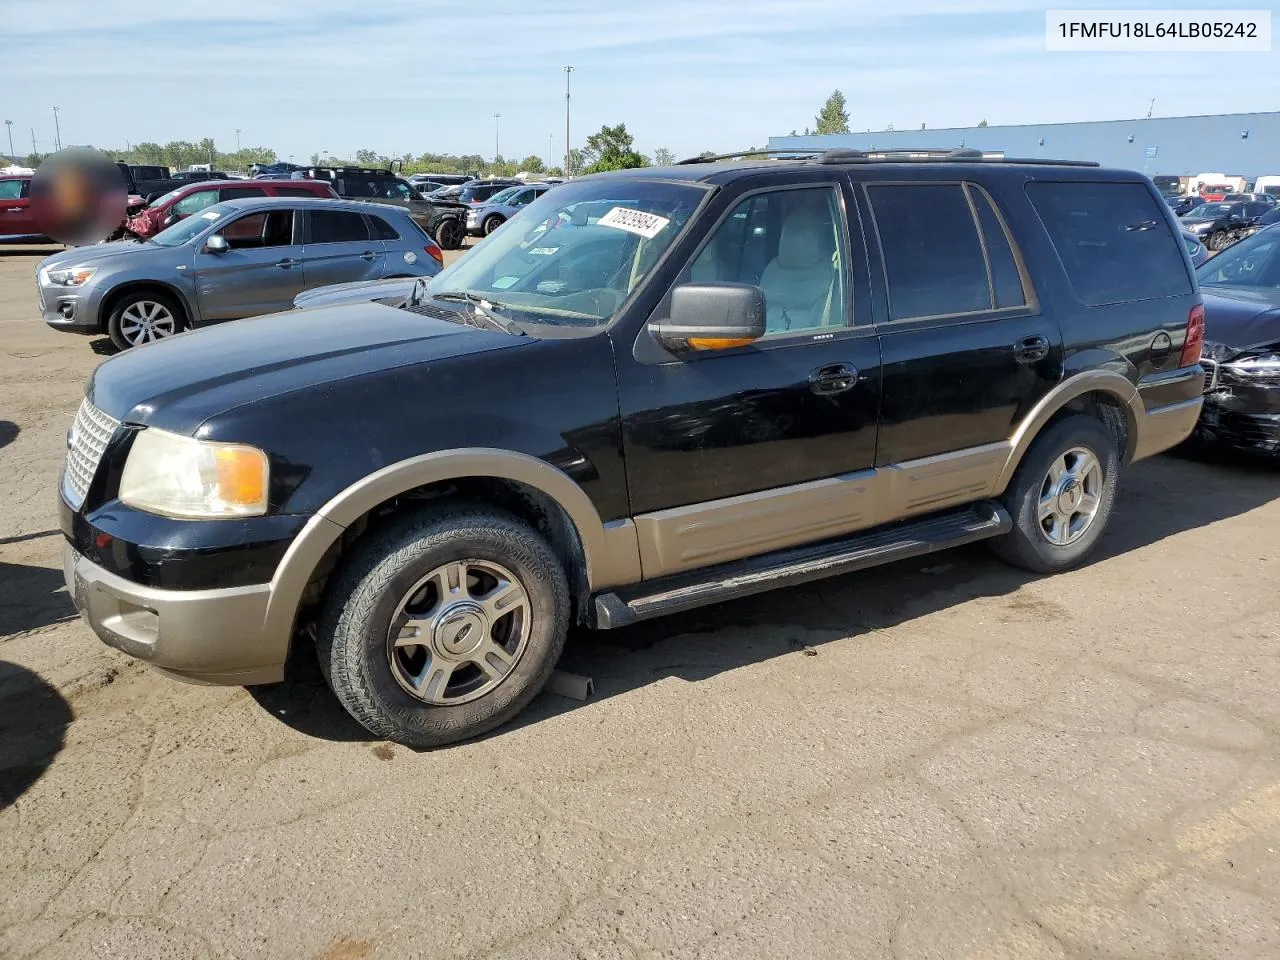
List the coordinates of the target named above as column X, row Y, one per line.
column 415, row 76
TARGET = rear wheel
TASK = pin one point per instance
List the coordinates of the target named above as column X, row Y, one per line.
column 443, row 626
column 143, row 317
column 492, row 223
column 1217, row 240
column 449, row 235
column 1061, row 496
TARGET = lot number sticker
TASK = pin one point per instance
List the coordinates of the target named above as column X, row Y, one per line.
column 647, row 225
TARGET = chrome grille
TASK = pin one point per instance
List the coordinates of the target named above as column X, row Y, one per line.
column 89, row 436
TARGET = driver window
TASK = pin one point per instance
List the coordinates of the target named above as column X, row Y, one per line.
column 790, row 243
column 195, row 202
column 255, row 230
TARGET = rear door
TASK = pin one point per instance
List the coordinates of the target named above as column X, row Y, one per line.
column 16, row 218
column 261, row 273
column 967, row 348
column 339, row 248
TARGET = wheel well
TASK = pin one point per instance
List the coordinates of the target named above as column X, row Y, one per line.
column 1114, row 414
column 115, row 296
column 525, row 502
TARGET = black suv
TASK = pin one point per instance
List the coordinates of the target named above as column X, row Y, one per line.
column 443, row 219
column 653, row 389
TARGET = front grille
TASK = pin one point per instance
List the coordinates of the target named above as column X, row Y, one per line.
column 89, row 436
column 1210, row 374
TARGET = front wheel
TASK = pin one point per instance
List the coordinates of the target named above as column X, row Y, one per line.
column 443, row 625
column 1218, row 240
column 449, row 235
column 1061, row 496
column 491, row 224
column 143, row 317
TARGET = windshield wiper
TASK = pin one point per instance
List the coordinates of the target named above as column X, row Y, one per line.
column 481, row 306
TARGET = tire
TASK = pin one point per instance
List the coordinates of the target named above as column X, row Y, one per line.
column 143, row 317
column 1049, row 545
column 396, row 573
column 449, row 234
column 1217, row 240
column 491, row 224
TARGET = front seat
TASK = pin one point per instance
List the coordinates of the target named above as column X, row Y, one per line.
column 799, row 283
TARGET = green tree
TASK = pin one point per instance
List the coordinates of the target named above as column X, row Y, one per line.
column 662, row 157
column 612, row 148
column 982, row 123
column 533, row 164
column 555, row 172
column 833, row 117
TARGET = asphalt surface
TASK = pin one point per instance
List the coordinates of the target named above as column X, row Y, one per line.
column 945, row 758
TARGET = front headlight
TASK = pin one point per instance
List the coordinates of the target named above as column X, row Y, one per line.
column 72, row 277
column 1267, row 365
column 183, row 477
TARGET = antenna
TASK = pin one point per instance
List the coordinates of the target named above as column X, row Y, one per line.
column 1151, row 107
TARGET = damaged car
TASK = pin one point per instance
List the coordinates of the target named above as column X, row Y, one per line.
column 1241, row 289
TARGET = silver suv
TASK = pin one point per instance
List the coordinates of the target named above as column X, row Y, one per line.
column 234, row 259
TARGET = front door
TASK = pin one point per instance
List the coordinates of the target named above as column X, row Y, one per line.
column 338, row 248
column 261, row 273
column 741, row 451
column 966, row 348
column 16, row 218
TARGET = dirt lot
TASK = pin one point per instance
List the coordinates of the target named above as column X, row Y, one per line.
column 940, row 759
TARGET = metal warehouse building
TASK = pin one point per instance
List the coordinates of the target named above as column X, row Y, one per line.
column 1237, row 144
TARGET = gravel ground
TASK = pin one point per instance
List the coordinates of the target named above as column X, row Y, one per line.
column 943, row 758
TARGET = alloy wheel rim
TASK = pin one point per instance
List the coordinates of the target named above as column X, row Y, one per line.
column 1070, row 496
column 145, row 320
column 459, row 632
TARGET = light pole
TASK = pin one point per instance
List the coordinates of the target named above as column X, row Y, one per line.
column 57, row 131
column 567, row 155
column 9, row 126
column 237, row 139
column 551, row 150
column 496, row 152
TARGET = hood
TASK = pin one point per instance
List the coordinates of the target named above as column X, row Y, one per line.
column 355, row 291
column 92, row 253
column 1242, row 318
column 177, row 384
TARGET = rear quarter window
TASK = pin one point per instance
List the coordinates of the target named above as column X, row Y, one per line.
column 1113, row 240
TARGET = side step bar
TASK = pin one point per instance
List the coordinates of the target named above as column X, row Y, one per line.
column 788, row 568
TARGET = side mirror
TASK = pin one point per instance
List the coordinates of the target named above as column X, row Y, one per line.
column 712, row 316
column 216, row 244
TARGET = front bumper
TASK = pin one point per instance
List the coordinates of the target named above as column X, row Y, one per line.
column 203, row 636
column 1241, row 411
column 68, row 308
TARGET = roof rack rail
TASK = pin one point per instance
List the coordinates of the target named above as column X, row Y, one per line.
column 793, row 153
column 935, row 154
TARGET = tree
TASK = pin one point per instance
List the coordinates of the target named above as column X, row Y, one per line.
column 368, row 158
column 533, row 164
column 611, row 148
column 982, row 123
column 662, row 157
column 889, row 127
column 555, row 172
column 833, row 117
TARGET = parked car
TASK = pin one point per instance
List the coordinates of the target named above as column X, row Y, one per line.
column 183, row 202
column 1221, row 224
column 17, row 221
column 724, row 378
column 1181, row 206
column 1266, row 198
column 279, row 168
column 444, row 179
column 1241, row 289
column 1269, row 185
column 196, row 176
column 148, row 182
column 237, row 258
column 445, row 220
column 484, row 218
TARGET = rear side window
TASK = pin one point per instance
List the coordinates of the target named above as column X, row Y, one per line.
column 349, row 187
column 237, row 193
column 1113, row 239
column 299, row 192
column 932, row 253
column 337, row 226
column 383, row 230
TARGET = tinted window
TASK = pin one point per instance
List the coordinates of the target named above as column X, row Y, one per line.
column 1253, row 262
column 193, row 202
column 298, row 192
column 337, row 226
column 383, row 230
column 1113, row 240
column 236, row 193
column 1006, row 282
column 1256, row 209
column 932, row 254
column 254, row 230
column 10, row 189
column 350, row 187
column 791, row 244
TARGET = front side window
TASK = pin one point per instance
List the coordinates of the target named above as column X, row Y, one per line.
column 195, row 202
column 932, row 252
column 191, row 227
column 255, row 230
column 575, row 255
column 337, row 226
column 10, row 189
column 1253, row 262
column 790, row 243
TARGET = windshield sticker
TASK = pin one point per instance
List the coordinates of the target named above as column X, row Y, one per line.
column 647, row 225
column 503, row 282
column 543, row 251
column 211, row 215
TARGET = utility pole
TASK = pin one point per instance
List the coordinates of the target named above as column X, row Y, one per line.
column 551, row 150
column 9, row 126
column 567, row 154
column 496, row 152
column 237, row 139
column 57, row 131
column 33, row 142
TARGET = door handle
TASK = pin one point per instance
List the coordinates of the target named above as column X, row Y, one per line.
column 368, row 255
column 833, row 378
column 13, row 209
column 1031, row 349
column 287, row 262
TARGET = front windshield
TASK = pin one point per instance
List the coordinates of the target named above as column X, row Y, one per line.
column 502, row 196
column 184, row 230
column 1210, row 211
column 161, row 201
column 575, row 254
column 1253, row 262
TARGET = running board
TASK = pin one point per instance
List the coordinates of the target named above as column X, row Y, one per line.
column 788, row 568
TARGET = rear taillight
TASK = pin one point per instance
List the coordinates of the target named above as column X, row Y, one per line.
column 1193, row 346
column 436, row 254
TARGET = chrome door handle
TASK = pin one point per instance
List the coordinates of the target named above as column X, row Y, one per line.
column 1031, row 349
column 287, row 262
column 13, row 209
column 833, row 378
column 368, row 255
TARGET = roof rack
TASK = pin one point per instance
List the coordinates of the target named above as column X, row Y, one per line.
column 349, row 171
column 834, row 155
column 741, row 154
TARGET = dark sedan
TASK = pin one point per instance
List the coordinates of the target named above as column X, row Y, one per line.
column 1218, row 225
column 1241, row 289
column 1181, row 206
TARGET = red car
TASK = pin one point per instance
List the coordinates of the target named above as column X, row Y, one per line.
column 17, row 222
column 183, row 202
